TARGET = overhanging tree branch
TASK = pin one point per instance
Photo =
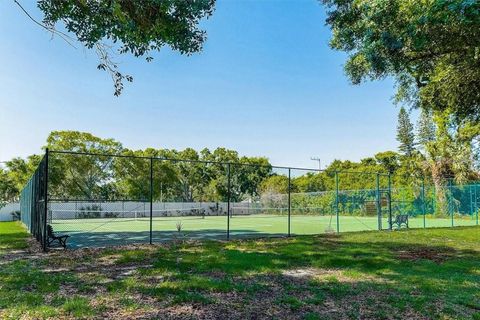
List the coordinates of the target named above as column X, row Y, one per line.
column 65, row 37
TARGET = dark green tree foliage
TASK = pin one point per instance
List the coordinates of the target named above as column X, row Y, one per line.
column 132, row 176
column 14, row 177
column 184, row 176
column 130, row 26
column 389, row 160
column 202, row 176
column 20, row 170
column 82, row 176
column 425, row 128
column 275, row 184
column 7, row 192
column 405, row 133
column 246, row 173
column 309, row 182
column 430, row 47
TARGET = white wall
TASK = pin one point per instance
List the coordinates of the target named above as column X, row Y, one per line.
column 73, row 210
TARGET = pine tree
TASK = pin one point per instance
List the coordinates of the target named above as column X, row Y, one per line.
column 426, row 130
column 405, row 134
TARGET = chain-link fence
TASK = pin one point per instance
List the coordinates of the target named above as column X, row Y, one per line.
column 101, row 200
column 33, row 203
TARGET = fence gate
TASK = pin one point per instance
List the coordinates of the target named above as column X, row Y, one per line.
column 384, row 209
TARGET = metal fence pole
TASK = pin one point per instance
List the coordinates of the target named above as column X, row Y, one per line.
column 228, row 200
column 389, row 201
column 379, row 203
column 424, row 211
column 289, row 200
column 31, row 203
column 45, row 203
column 451, row 209
column 35, row 217
column 476, row 204
column 151, row 199
column 39, row 213
column 471, row 202
column 337, row 211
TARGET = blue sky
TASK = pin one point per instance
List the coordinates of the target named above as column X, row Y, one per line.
column 265, row 84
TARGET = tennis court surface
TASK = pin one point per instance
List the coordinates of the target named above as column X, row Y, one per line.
column 99, row 232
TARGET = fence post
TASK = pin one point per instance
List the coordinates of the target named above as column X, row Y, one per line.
column 228, row 201
column 151, row 199
column 379, row 202
column 476, row 204
column 390, row 201
column 424, row 211
column 31, row 202
column 45, row 203
column 289, row 200
column 452, row 209
column 471, row 202
column 337, row 211
column 36, row 199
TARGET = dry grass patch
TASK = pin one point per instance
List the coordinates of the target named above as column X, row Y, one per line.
column 435, row 254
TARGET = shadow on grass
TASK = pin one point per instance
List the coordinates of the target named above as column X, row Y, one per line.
column 13, row 241
column 372, row 275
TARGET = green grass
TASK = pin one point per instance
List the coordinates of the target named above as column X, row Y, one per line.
column 115, row 231
column 79, row 307
column 13, row 236
column 423, row 273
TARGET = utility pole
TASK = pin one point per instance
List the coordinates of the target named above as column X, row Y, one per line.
column 319, row 162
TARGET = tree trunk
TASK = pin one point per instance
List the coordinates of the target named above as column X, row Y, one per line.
column 441, row 207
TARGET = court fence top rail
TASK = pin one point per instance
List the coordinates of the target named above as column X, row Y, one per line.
column 209, row 162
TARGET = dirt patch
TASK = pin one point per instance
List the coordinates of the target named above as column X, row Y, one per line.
column 293, row 296
column 437, row 255
column 32, row 252
column 301, row 273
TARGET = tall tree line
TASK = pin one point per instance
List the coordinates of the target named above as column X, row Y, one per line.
column 187, row 175
column 191, row 175
column 443, row 149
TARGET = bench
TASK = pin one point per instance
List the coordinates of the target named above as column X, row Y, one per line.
column 399, row 220
column 51, row 238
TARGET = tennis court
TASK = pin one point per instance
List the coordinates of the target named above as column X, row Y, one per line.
column 108, row 200
column 117, row 231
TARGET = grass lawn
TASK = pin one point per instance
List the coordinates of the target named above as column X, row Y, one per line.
column 415, row 274
column 12, row 237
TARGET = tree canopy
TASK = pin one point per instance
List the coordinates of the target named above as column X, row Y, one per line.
column 15, row 175
column 185, row 175
column 127, row 26
column 405, row 134
column 431, row 48
column 204, row 176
